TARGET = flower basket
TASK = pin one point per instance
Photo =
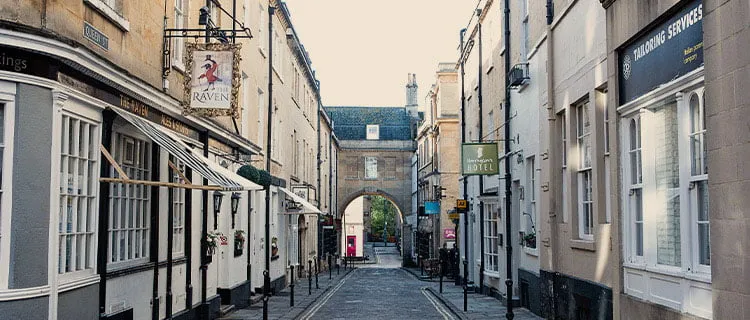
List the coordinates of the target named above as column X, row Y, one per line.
column 212, row 241
column 530, row 240
column 239, row 242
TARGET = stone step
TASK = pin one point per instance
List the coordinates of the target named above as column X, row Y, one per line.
column 225, row 309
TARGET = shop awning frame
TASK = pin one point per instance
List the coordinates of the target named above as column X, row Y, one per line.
column 223, row 179
column 308, row 208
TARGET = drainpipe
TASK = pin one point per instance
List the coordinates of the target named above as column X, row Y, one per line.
column 466, row 183
column 553, row 159
column 317, row 191
column 508, row 215
column 267, row 236
column 481, row 179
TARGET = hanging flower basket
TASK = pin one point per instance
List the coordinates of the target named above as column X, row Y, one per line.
column 239, row 242
column 212, row 241
column 530, row 240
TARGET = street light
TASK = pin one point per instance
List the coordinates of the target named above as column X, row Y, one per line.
column 235, row 204
column 217, row 207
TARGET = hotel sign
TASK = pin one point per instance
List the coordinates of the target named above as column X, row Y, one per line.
column 213, row 79
column 479, row 159
column 670, row 50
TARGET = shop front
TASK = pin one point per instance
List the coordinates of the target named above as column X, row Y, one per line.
column 107, row 192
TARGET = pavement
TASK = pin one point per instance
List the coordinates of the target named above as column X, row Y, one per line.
column 278, row 305
column 479, row 306
column 379, row 290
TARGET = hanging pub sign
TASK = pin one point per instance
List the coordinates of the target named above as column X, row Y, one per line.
column 479, row 159
column 212, row 82
column 670, row 50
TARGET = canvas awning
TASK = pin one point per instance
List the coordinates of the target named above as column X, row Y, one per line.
column 221, row 178
column 307, row 207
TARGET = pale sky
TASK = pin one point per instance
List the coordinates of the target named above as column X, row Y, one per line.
column 362, row 50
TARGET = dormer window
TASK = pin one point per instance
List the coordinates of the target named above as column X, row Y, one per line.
column 373, row 132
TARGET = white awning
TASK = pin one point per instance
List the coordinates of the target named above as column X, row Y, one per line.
column 215, row 173
column 307, row 207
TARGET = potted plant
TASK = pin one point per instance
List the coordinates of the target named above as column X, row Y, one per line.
column 530, row 240
column 212, row 241
column 239, row 242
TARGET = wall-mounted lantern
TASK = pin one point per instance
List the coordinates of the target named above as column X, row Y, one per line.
column 217, row 207
column 235, row 204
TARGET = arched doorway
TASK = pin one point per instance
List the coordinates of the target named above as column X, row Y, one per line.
column 370, row 219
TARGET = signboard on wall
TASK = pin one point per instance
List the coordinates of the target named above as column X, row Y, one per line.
column 479, row 159
column 432, row 207
column 449, row 233
column 213, row 79
column 670, row 50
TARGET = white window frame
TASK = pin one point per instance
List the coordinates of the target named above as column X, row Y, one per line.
column 585, row 174
column 178, row 210
column 689, row 266
column 7, row 98
column 261, row 102
column 490, row 238
column 84, row 204
column 178, row 43
column 564, row 187
column 696, row 178
column 373, row 132
column 262, row 24
column 144, row 229
column 530, row 220
column 633, row 178
column 106, row 8
column 524, row 30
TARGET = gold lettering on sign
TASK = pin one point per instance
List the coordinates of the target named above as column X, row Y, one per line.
column 134, row 106
column 174, row 125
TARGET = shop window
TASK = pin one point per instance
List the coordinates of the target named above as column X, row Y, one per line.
column 6, row 108
column 655, row 186
column 490, row 237
column 178, row 209
column 78, row 187
column 130, row 204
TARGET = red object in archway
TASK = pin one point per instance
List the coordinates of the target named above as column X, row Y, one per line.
column 351, row 246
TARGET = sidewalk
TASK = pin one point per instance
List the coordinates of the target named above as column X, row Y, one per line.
column 278, row 305
column 479, row 306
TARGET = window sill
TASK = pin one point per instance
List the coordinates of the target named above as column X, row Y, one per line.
column 586, row 245
column 72, row 283
column 179, row 66
column 671, row 271
column 110, row 14
column 531, row 251
column 492, row 273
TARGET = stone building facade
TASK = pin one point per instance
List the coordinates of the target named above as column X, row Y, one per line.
column 438, row 171
column 94, row 73
column 376, row 144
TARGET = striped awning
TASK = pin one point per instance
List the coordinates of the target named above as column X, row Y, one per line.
column 308, row 208
column 215, row 173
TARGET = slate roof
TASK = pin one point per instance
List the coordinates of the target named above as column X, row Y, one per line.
column 350, row 122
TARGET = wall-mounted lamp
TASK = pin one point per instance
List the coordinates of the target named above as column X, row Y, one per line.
column 217, row 207
column 235, row 204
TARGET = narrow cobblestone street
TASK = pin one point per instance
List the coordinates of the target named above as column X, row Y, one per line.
column 378, row 289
